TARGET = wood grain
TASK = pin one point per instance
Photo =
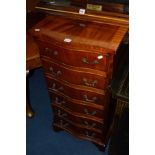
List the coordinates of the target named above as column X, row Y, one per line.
column 68, row 74
column 80, row 108
column 82, row 33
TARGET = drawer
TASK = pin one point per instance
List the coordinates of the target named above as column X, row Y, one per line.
column 62, row 123
column 75, row 106
column 75, row 76
column 77, row 119
column 92, row 95
column 78, row 131
column 85, row 59
column 86, row 132
column 89, row 134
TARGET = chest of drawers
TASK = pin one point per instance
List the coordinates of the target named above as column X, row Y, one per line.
column 77, row 57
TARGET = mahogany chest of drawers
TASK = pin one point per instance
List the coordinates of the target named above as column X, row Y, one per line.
column 77, row 57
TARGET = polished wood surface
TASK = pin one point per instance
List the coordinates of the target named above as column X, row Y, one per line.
column 63, row 125
column 74, row 54
column 84, row 109
column 93, row 95
column 67, row 102
column 79, row 58
column 32, row 54
column 86, row 78
column 100, row 36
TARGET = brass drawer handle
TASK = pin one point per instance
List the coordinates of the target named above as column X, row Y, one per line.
column 89, row 84
column 60, row 114
column 55, row 73
column 88, row 125
column 89, row 100
column 89, row 134
column 84, row 60
column 59, row 102
column 56, row 89
column 55, row 53
column 63, row 124
column 89, row 113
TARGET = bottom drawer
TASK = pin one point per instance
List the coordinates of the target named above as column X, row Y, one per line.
column 78, row 131
column 79, row 120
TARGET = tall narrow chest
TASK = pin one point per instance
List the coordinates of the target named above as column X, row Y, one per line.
column 77, row 57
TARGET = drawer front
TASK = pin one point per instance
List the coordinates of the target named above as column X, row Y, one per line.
column 78, row 120
column 78, row 131
column 62, row 122
column 90, row 134
column 86, row 132
column 76, row 92
column 85, row 59
column 69, row 73
column 84, row 109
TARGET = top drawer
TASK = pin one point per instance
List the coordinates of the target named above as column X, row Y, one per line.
column 85, row 59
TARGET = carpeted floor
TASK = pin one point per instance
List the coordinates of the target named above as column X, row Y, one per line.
column 41, row 139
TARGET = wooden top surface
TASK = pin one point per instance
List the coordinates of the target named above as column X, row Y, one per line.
column 32, row 51
column 81, row 34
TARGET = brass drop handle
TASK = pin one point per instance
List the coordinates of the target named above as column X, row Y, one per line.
column 55, row 53
column 56, row 89
column 59, row 102
column 84, row 60
column 89, row 113
column 88, row 125
column 55, row 73
column 89, row 134
column 89, row 100
column 60, row 114
column 63, row 124
column 89, row 84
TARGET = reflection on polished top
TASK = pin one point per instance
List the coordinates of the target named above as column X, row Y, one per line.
column 80, row 34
